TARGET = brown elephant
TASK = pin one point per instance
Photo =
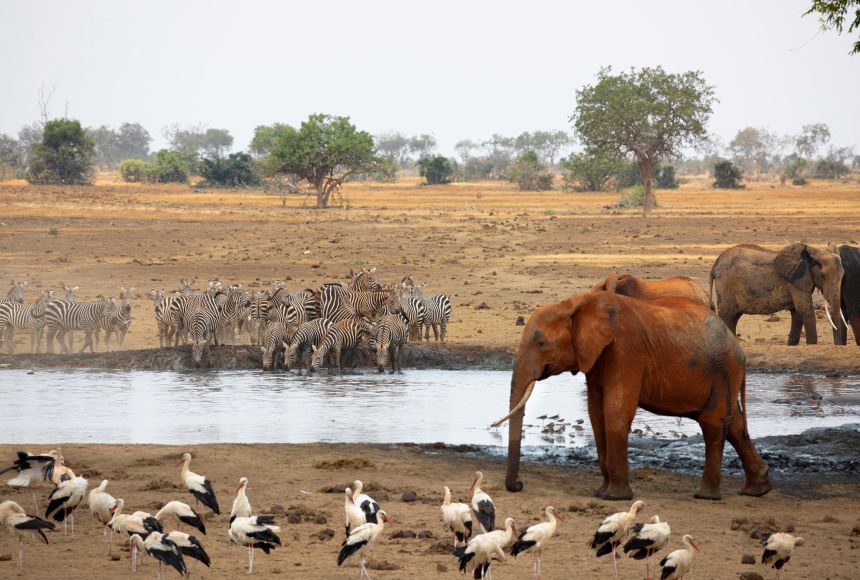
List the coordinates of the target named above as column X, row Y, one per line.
column 749, row 279
column 676, row 286
column 670, row 356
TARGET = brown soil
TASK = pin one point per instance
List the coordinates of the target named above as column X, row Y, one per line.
column 290, row 478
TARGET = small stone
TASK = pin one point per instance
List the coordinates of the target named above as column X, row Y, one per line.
column 830, row 519
column 758, row 533
column 278, row 509
column 482, row 306
column 425, row 535
column 409, row 496
column 747, row 559
column 407, row 534
column 115, row 557
column 441, row 568
column 739, row 523
column 521, row 321
column 855, row 531
column 320, row 519
column 294, row 517
column 773, row 318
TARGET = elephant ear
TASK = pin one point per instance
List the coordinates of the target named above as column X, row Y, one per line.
column 593, row 329
column 792, row 263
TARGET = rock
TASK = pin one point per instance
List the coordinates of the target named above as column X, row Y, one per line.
column 115, row 557
column 855, row 531
column 830, row 519
column 409, row 496
column 406, row 534
column 294, row 517
column 441, row 568
column 482, row 306
column 320, row 519
column 521, row 321
column 772, row 318
column 747, row 559
column 324, row 535
column 758, row 533
column 740, row 524
column 278, row 509
column 750, row 576
column 425, row 535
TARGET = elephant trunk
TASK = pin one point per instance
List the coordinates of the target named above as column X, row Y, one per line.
column 521, row 389
column 833, row 309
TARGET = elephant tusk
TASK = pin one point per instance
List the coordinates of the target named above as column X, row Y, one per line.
column 842, row 316
column 519, row 405
column 827, row 311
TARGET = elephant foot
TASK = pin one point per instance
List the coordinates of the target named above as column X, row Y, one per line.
column 708, row 493
column 756, row 489
column 616, row 493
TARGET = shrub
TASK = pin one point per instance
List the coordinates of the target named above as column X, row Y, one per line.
column 591, row 170
column 65, row 155
column 632, row 197
column 798, row 181
column 664, row 178
column 436, row 170
column 134, row 170
column 727, row 175
column 235, row 170
column 830, row 168
column 794, row 167
column 168, row 167
column 628, row 176
column 529, row 173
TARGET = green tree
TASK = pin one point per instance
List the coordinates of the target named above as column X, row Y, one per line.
column 436, row 170
column 529, row 173
column 647, row 113
column 325, row 151
column 832, row 13
column 264, row 139
column 65, row 155
column 591, row 170
column 169, row 167
column 235, row 170
column 727, row 175
column 664, row 177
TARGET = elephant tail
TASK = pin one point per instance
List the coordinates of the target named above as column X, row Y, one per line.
column 711, row 298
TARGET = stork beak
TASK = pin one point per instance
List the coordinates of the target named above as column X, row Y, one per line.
column 558, row 516
column 696, row 547
column 180, row 462
column 471, row 487
column 237, row 489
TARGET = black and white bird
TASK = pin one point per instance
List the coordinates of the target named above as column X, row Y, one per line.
column 241, row 506
column 483, row 507
column 65, row 499
column 612, row 531
column 32, row 470
column 102, row 505
column 353, row 516
column 21, row 525
column 679, row 562
column 647, row 539
column 198, row 485
column 182, row 513
column 162, row 549
column 535, row 538
column 140, row 523
column 255, row 532
column 458, row 517
column 483, row 548
column 360, row 540
column 189, row 546
column 367, row 504
column 777, row 551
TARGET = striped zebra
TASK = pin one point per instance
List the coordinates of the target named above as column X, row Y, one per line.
column 338, row 303
column 201, row 316
column 15, row 293
column 117, row 318
column 306, row 337
column 364, row 280
column 230, row 302
column 341, row 337
column 288, row 315
column 437, row 313
column 390, row 337
column 173, row 313
column 412, row 307
column 26, row 317
column 301, row 299
column 258, row 314
column 64, row 316
column 273, row 348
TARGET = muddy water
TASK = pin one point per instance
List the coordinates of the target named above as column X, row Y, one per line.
column 419, row 406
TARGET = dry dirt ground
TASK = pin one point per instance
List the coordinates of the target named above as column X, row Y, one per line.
column 288, row 479
column 497, row 252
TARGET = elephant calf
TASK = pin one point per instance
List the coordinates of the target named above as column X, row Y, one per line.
column 676, row 286
column 670, row 356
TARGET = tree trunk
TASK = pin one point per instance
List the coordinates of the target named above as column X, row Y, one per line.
column 646, row 168
column 322, row 196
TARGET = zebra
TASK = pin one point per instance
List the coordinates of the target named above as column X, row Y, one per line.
column 258, row 313
column 63, row 316
column 28, row 317
column 437, row 313
column 275, row 339
column 364, row 280
column 390, row 337
column 117, row 318
column 173, row 309
column 288, row 315
column 340, row 337
column 15, row 293
column 230, row 303
column 412, row 307
column 338, row 303
column 201, row 315
column 301, row 299
column 306, row 337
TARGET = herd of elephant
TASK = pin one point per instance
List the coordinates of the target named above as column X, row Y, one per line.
column 667, row 347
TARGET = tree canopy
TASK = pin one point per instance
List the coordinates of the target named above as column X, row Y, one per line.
column 832, row 14
column 65, row 154
column 647, row 113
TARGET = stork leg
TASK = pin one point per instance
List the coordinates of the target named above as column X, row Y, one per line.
column 614, row 560
column 73, row 524
column 539, row 554
column 133, row 559
column 250, row 559
column 35, row 503
column 20, row 552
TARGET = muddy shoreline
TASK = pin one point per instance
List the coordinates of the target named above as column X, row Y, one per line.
column 451, row 356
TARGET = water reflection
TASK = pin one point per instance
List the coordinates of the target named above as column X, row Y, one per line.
column 417, row 406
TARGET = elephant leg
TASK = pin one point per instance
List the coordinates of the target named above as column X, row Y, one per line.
column 755, row 469
column 619, row 408
column 796, row 325
column 854, row 321
column 714, row 431
column 595, row 415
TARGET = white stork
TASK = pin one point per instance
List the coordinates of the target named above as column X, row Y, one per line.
column 679, row 562
column 777, row 551
column 65, row 499
column 101, row 506
column 183, row 513
column 367, row 504
column 32, row 470
column 165, row 551
column 612, row 532
column 21, row 525
column 458, row 517
column 482, row 505
column 198, row 485
column 481, row 549
column 353, row 516
column 255, row 532
column 646, row 540
column 139, row 523
column 241, row 506
column 189, row 546
column 360, row 540
column 536, row 537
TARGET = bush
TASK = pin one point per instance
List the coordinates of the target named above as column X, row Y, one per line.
column 727, row 175
column 591, row 170
column 830, row 168
column 65, row 155
column 794, row 167
column 529, row 173
column 436, row 170
column 798, row 181
column 628, row 176
column 632, row 197
column 664, row 178
column 235, row 170
column 168, row 167
column 134, row 170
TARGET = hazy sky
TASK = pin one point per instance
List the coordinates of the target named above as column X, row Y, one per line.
column 457, row 69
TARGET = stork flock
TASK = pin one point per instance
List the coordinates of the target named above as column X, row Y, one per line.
column 477, row 544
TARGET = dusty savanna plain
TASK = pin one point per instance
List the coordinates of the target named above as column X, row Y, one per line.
column 498, row 253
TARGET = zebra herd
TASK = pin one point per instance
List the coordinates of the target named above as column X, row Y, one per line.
column 62, row 317
column 304, row 327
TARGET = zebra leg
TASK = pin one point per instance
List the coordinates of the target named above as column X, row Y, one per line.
column 443, row 328
column 10, row 336
column 435, row 332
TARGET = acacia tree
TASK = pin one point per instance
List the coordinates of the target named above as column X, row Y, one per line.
column 325, row 151
column 832, row 13
column 647, row 113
